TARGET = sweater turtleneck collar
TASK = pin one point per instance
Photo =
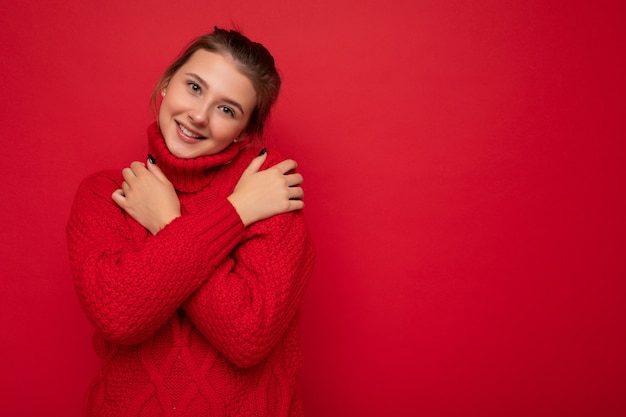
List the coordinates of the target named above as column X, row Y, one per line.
column 188, row 175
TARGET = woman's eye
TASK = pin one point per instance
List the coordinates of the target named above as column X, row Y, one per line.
column 194, row 87
column 228, row 111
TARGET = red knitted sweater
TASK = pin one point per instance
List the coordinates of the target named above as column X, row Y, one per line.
column 202, row 318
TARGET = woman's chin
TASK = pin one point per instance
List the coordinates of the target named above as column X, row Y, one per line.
column 180, row 151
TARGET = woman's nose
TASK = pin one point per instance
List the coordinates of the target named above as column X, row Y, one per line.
column 199, row 115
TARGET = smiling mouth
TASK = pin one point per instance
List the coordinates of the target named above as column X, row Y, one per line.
column 189, row 133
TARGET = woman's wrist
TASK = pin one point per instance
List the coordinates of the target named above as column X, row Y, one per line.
column 239, row 208
column 157, row 227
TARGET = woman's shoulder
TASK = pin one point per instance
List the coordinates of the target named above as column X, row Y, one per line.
column 101, row 182
column 94, row 195
column 274, row 156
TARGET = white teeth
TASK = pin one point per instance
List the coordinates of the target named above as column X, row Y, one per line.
column 187, row 132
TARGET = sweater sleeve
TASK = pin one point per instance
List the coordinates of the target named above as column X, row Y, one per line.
column 249, row 301
column 129, row 282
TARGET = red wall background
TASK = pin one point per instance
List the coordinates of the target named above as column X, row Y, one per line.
column 464, row 168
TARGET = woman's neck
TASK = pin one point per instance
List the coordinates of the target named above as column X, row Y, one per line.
column 188, row 175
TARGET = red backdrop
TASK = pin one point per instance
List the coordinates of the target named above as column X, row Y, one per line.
column 465, row 188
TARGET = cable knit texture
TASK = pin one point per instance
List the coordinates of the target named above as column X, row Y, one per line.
column 202, row 318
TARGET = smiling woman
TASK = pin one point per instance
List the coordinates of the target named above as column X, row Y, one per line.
column 191, row 267
column 206, row 105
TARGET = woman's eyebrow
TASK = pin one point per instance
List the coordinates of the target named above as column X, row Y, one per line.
column 204, row 84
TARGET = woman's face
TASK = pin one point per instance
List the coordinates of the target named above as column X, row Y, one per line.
column 206, row 106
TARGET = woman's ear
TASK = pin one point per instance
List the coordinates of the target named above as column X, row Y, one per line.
column 241, row 137
column 164, row 85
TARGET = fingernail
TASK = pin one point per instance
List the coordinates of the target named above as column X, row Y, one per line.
column 151, row 159
column 263, row 151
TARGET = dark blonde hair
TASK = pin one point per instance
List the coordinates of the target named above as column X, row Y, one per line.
column 252, row 59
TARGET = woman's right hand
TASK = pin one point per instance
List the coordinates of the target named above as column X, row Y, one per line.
column 262, row 194
column 147, row 196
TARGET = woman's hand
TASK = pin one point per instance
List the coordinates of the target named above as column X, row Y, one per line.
column 147, row 196
column 262, row 194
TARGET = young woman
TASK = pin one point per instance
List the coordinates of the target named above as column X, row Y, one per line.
column 191, row 266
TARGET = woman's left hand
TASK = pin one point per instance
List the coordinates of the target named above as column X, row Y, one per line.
column 147, row 196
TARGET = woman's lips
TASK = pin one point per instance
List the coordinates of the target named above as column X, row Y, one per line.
column 187, row 135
